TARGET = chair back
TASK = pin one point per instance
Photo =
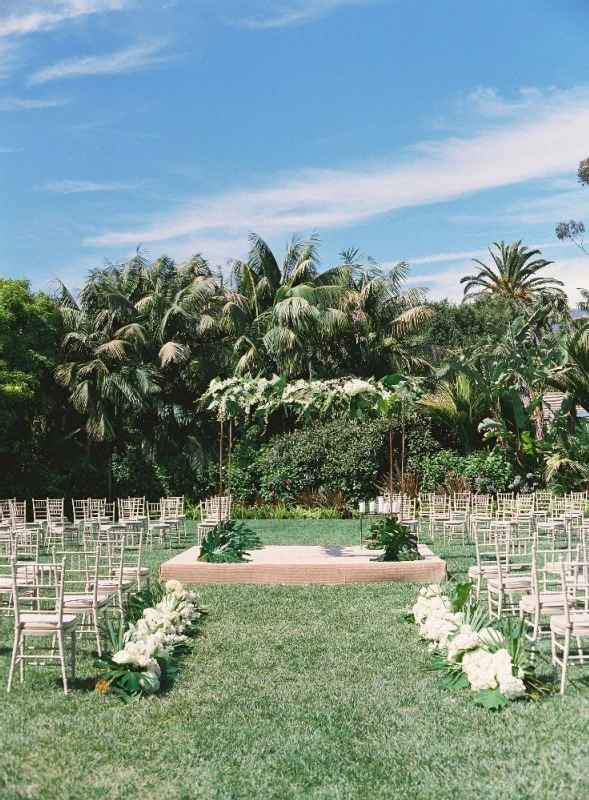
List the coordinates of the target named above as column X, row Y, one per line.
column 81, row 570
column 44, row 582
column 574, row 584
column 18, row 515
column 460, row 501
column 78, row 511
column 40, row 510
column 481, row 505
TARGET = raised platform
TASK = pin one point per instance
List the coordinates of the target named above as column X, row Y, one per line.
column 329, row 564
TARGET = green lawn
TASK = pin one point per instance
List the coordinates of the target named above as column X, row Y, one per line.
column 303, row 691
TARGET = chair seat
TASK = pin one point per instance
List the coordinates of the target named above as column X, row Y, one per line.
column 39, row 621
column 579, row 623
column 474, row 571
column 130, row 572
column 110, row 586
column 81, row 602
column 550, row 603
column 513, row 584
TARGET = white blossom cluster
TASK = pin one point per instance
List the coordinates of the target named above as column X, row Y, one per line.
column 486, row 670
column 485, row 664
column 158, row 632
column 434, row 614
column 300, row 395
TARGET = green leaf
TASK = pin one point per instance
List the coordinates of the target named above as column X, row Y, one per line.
column 491, row 699
column 454, row 680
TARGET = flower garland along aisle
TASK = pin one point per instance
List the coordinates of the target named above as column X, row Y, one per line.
column 492, row 659
column 159, row 625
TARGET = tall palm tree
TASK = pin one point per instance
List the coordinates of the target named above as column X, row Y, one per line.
column 350, row 319
column 514, row 274
column 104, row 375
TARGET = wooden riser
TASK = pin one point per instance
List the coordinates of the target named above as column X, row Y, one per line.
column 299, row 565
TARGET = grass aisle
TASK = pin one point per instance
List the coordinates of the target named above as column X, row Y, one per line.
column 294, row 692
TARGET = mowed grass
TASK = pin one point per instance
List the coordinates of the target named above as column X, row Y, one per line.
column 293, row 692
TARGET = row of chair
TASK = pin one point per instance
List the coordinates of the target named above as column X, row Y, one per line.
column 68, row 596
column 537, row 574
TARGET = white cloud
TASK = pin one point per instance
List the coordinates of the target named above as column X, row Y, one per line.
column 542, row 143
column 130, row 59
column 30, row 17
column 76, row 187
column 31, row 103
column 269, row 14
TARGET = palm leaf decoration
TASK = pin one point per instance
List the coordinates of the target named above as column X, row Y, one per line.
column 229, row 543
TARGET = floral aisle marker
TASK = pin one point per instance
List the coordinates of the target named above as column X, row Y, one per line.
column 492, row 659
column 145, row 647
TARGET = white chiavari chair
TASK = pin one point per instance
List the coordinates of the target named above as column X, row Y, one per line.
column 573, row 623
column 47, row 620
column 513, row 558
column 546, row 597
column 81, row 590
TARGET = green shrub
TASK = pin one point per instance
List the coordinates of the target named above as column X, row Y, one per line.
column 339, row 456
column 484, row 471
column 280, row 511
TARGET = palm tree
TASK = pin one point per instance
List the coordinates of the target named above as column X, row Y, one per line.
column 460, row 405
column 573, row 378
column 104, row 375
column 279, row 315
column 514, row 274
column 351, row 319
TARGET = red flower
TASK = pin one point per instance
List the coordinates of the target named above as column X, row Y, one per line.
column 288, row 481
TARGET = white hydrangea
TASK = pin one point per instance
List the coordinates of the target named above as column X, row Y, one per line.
column 480, row 669
column 465, row 639
column 511, row 687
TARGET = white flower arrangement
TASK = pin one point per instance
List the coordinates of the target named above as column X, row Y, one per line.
column 150, row 645
column 230, row 397
column 473, row 657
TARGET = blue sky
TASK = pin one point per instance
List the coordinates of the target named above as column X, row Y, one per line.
column 415, row 130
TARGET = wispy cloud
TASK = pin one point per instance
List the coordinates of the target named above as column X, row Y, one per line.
column 30, row 17
column 541, row 143
column 460, row 255
column 130, row 59
column 76, row 187
column 267, row 14
column 11, row 150
column 31, row 103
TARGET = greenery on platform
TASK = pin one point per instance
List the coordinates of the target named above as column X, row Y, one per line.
column 395, row 540
column 229, row 543
column 293, row 692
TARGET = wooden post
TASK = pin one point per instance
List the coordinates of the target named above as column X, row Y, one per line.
column 229, row 452
column 220, row 472
column 390, row 468
column 402, row 456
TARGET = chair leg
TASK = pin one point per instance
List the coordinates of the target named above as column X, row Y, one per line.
column 22, row 659
column 565, row 658
column 73, row 647
column 97, row 630
column 62, row 660
column 15, row 648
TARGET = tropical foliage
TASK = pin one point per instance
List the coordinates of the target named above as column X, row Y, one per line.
column 119, row 386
